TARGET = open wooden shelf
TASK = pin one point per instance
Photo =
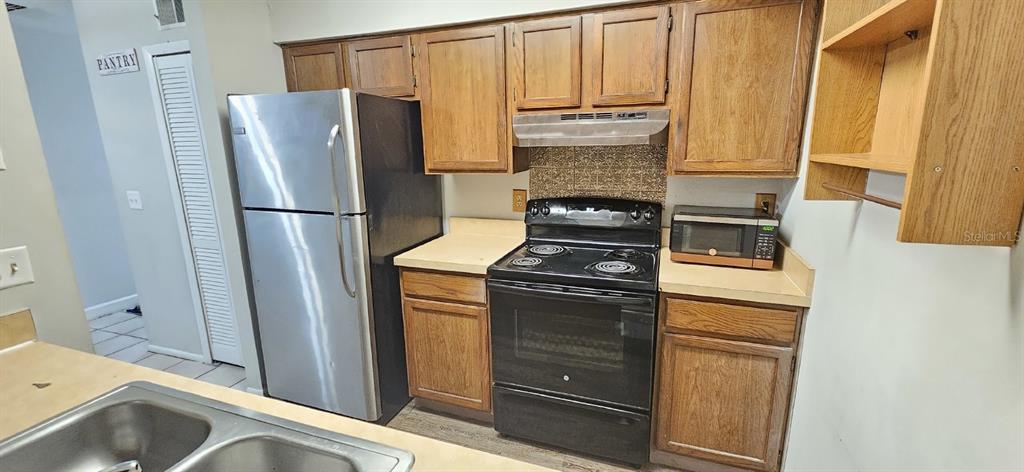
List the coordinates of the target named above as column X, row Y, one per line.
column 882, row 162
column 884, row 25
column 933, row 106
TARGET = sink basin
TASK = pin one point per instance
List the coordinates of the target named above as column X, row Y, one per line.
column 272, row 453
column 167, row 429
column 157, row 437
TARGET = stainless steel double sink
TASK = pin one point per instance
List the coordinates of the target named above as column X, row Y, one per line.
column 166, row 429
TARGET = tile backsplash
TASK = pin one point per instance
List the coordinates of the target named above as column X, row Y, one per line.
column 636, row 172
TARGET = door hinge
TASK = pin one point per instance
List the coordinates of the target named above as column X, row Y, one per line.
column 413, row 80
column 666, row 85
column 413, row 50
column 792, row 364
column 671, row 20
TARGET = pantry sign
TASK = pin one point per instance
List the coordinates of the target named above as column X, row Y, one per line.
column 118, row 62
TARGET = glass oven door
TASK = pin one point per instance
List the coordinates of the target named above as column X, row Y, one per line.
column 594, row 344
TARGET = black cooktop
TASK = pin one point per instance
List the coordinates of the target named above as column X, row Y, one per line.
column 595, row 266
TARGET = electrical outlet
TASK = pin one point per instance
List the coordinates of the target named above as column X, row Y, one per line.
column 518, row 200
column 15, row 267
column 134, row 199
column 766, row 202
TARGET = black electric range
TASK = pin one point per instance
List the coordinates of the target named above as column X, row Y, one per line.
column 572, row 327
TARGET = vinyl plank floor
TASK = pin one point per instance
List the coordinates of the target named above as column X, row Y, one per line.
column 159, row 361
column 190, row 369
column 126, row 326
column 114, row 344
column 111, row 319
column 133, row 353
column 483, row 437
column 139, row 333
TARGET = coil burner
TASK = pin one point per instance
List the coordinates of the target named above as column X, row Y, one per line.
column 526, row 262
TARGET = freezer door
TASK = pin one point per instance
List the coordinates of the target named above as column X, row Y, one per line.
column 284, row 145
column 312, row 310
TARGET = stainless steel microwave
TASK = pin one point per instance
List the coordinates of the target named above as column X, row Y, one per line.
column 735, row 237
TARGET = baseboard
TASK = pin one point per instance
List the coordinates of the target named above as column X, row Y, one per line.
column 123, row 303
column 176, row 353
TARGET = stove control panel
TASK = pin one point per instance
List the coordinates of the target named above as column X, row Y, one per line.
column 594, row 212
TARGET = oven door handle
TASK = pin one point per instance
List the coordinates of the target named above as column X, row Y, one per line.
column 629, row 415
column 569, row 293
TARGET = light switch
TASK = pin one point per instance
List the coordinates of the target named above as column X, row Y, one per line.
column 134, row 199
column 15, row 267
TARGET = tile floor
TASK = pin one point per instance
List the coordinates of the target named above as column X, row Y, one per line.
column 122, row 336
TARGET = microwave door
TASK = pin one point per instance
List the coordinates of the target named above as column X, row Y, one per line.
column 727, row 240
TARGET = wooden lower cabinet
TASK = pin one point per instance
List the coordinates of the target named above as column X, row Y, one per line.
column 722, row 401
column 447, row 344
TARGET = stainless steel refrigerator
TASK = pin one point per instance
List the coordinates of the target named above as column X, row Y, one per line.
column 332, row 187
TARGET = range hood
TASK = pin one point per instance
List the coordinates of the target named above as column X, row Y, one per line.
column 612, row 128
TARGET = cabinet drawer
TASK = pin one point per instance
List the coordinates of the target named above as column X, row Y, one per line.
column 438, row 286
column 772, row 325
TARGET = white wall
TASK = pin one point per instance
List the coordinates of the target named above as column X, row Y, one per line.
column 130, row 130
column 232, row 54
column 51, row 57
column 296, row 20
column 912, row 353
column 28, row 214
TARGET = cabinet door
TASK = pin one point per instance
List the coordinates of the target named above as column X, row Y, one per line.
column 744, row 73
column 314, row 67
column 629, row 56
column 447, row 353
column 546, row 63
column 723, row 401
column 381, row 66
column 462, row 93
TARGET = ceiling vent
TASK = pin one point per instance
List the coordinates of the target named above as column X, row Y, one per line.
column 170, row 13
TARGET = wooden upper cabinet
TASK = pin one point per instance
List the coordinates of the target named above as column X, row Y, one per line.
column 448, row 352
column 545, row 63
column 381, row 66
column 723, row 401
column 462, row 92
column 629, row 56
column 314, row 67
column 743, row 82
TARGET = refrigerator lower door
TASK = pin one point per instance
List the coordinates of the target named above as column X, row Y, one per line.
column 313, row 315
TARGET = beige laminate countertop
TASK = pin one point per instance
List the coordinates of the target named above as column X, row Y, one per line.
column 789, row 283
column 470, row 246
column 75, row 377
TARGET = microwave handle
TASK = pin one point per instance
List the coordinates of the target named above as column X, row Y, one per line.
column 569, row 293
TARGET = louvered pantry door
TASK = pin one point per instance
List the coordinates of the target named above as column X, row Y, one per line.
column 177, row 94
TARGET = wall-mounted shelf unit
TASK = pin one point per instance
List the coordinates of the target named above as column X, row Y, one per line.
column 929, row 89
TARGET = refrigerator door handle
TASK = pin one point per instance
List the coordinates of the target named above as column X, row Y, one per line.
column 342, row 248
column 351, row 291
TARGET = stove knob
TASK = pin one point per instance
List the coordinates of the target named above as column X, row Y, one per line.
column 649, row 214
column 534, row 210
column 546, row 210
column 635, row 214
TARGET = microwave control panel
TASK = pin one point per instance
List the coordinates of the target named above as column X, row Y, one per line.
column 764, row 246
